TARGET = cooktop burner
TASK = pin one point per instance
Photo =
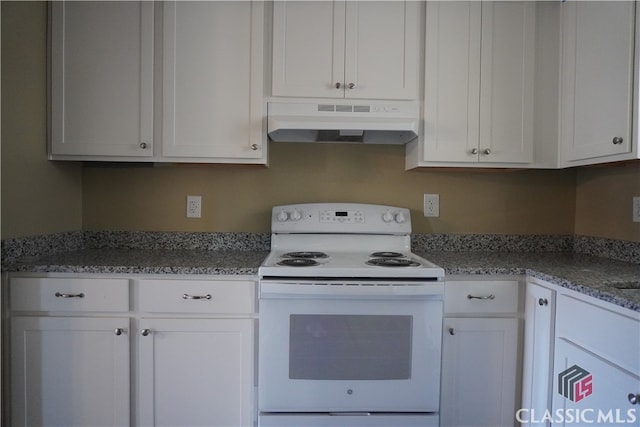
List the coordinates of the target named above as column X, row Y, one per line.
column 392, row 262
column 305, row 255
column 298, row 262
column 386, row 254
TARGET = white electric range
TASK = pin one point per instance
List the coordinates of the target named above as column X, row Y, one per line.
column 350, row 320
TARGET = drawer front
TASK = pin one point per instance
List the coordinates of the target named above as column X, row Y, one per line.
column 196, row 296
column 607, row 333
column 68, row 294
column 478, row 297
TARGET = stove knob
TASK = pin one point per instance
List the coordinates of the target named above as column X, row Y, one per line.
column 295, row 215
column 400, row 218
column 387, row 216
column 282, row 216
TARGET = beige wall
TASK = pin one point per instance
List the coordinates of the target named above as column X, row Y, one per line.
column 604, row 202
column 237, row 198
column 38, row 196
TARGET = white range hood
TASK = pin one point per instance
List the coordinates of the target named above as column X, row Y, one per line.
column 349, row 121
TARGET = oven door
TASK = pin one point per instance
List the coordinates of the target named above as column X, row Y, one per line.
column 352, row 352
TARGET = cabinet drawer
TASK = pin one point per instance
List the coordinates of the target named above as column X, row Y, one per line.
column 480, row 297
column 607, row 333
column 196, row 296
column 68, row 294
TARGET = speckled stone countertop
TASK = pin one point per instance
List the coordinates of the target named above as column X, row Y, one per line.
column 147, row 261
column 585, row 264
column 587, row 274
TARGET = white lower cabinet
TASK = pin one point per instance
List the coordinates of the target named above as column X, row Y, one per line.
column 69, row 371
column 597, row 391
column 539, row 314
column 581, row 360
column 181, row 354
column 596, row 378
column 195, row 372
column 480, row 353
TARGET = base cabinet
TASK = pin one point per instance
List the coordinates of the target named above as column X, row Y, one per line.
column 581, row 360
column 600, row 397
column 69, row 371
column 539, row 314
column 179, row 353
column 478, row 358
column 195, row 372
column 480, row 353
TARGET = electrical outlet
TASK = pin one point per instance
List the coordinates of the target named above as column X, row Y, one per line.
column 431, row 205
column 636, row 209
column 194, row 206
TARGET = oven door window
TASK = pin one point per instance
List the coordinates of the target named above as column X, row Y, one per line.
column 350, row 347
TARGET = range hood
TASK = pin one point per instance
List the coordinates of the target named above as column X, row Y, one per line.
column 366, row 122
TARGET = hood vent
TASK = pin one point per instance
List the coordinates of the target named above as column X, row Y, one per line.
column 346, row 122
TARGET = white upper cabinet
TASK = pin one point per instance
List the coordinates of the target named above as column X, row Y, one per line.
column 101, row 79
column 479, row 84
column 597, row 82
column 208, row 103
column 213, row 81
column 346, row 49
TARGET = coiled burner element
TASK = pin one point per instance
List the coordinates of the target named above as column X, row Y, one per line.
column 392, row 262
column 298, row 262
column 305, row 254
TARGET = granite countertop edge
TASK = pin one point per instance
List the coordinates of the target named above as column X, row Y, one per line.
column 586, row 274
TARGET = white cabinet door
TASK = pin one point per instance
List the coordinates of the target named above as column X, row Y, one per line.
column 596, row 395
column 70, row 371
column 102, row 79
column 195, row 372
column 452, row 81
column 538, row 352
column 308, row 48
column 507, row 81
column 381, row 49
column 479, row 372
column 213, row 81
column 597, row 79
column 479, row 82
column 338, row 49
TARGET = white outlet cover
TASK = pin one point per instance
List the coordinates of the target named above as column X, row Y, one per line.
column 636, row 209
column 431, row 205
column 194, row 206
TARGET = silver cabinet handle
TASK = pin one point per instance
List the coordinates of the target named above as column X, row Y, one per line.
column 187, row 296
column 338, row 85
column 543, row 301
column 492, row 296
column 634, row 399
column 145, row 332
column 143, row 145
column 351, row 85
column 451, row 331
column 617, row 140
column 254, row 147
column 487, row 151
column 473, row 151
column 61, row 295
column 119, row 331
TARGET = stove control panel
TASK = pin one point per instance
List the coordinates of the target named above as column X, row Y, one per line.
column 347, row 217
column 340, row 218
